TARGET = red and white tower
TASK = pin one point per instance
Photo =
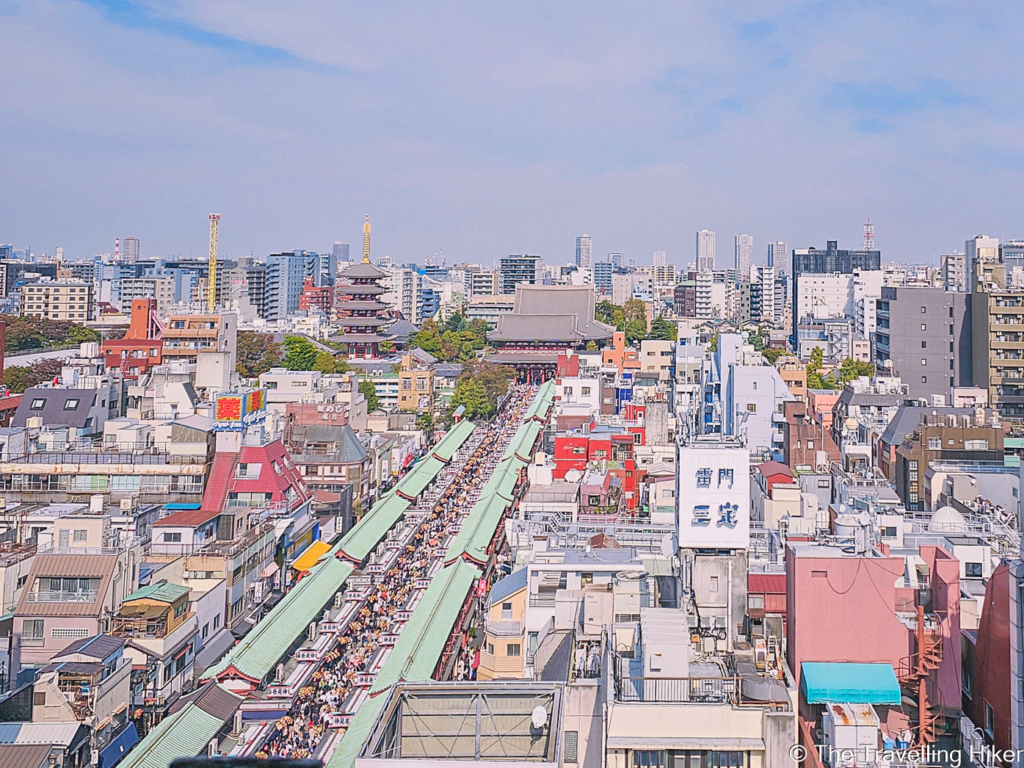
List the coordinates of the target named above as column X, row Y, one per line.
column 869, row 236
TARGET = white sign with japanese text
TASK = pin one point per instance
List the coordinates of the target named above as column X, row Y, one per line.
column 713, row 497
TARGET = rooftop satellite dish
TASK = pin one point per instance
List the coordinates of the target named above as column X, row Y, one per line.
column 539, row 717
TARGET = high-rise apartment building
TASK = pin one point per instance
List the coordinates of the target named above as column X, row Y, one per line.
column 404, row 293
column 327, row 269
column 518, row 268
column 829, row 261
column 285, row 276
column 705, row 251
column 615, row 259
column 659, row 259
column 997, row 333
column 744, row 255
column 340, row 252
column 923, row 335
column 57, row 300
column 584, row 245
column 603, row 276
column 778, row 257
column 954, row 272
column 484, row 284
column 130, row 252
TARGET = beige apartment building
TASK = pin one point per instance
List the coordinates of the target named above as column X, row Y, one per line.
column 57, row 300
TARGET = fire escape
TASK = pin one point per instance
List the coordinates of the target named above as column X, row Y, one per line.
column 915, row 671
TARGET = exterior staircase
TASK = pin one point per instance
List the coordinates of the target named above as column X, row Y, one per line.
column 218, row 483
column 915, row 671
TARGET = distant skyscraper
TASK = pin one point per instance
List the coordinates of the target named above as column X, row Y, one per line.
column 584, row 244
column 980, row 248
column 615, row 259
column 131, row 250
column 340, row 252
column 519, row 268
column 744, row 252
column 777, row 257
column 705, row 251
column 659, row 259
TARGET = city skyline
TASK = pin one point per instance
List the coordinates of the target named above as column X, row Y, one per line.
column 212, row 87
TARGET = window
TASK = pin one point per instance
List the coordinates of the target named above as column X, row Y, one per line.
column 823, row 483
column 216, row 622
column 568, row 390
column 506, row 610
column 81, row 535
column 924, row 379
column 39, row 699
column 924, row 327
column 584, row 391
column 514, row 649
column 810, row 445
column 924, row 345
column 934, row 443
column 38, row 403
column 69, row 633
column 714, row 583
column 755, row 602
column 206, row 630
column 32, row 630
column 972, row 570
column 889, row 532
column 976, row 445
column 172, row 538
column 71, row 404
column 751, row 407
column 924, row 362
column 990, row 720
column 490, row 648
column 653, row 758
column 819, row 574
column 924, row 310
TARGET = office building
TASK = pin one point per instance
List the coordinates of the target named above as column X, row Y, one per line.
column 831, row 260
column 340, row 252
column 705, row 251
column 744, row 255
column 130, row 252
column 327, row 269
column 584, row 245
column 518, row 268
column 659, row 259
column 57, row 300
column 603, row 276
column 615, row 259
column 159, row 288
column 923, row 335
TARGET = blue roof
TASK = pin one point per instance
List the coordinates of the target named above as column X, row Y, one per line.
column 849, row 683
column 507, row 586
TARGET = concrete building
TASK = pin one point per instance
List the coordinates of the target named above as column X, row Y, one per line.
column 924, row 337
column 285, row 276
column 705, row 250
column 981, row 249
column 997, row 331
column 954, row 272
column 186, row 336
column 58, row 300
column 159, row 288
column 516, row 269
column 404, row 293
column 778, row 256
column 484, row 284
column 744, row 253
column 584, row 246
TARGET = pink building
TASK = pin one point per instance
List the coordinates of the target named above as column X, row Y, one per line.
column 819, row 405
column 845, row 607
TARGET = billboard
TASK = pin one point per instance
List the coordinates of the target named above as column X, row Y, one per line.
column 237, row 409
column 713, row 495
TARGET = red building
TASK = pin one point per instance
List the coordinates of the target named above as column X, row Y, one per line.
column 319, row 298
column 576, row 451
column 8, row 405
column 255, row 475
column 142, row 345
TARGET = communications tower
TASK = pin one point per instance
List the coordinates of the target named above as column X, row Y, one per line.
column 869, row 236
column 211, row 282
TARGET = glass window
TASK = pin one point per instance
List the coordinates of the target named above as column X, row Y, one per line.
column 972, row 570
column 71, row 404
column 38, row 403
column 514, row 649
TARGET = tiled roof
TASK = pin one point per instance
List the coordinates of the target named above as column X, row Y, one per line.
column 96, row 647
column 162, row 591
column 188, row 518
column 83, row 566
column 25, row 755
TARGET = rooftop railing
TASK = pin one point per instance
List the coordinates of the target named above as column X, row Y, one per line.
column 677, row 690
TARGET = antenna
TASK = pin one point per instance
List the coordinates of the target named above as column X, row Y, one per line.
column 211, row 281
column 869, row 236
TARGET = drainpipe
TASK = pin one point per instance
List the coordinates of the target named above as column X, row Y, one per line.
column 728, row 611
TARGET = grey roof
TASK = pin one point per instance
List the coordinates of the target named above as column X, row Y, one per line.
column 24, row 755
column 350, row 450
column 196, row 422
column 212, row 699
column 364, row 269
column 532, row 317
column 422, row 356
column 909, row 416
column 53, row 411
column 447, row 370
column 401, row 330
column 556, row 668
column 507, row 586
column 95, row 647
column 849, row 397
column 62, row 733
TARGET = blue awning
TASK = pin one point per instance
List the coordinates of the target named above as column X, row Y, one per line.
column 182, row 505
column 119, row 747
column 848, row 683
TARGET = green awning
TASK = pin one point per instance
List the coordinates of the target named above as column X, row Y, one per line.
column 414, row 483
column 455, row 439
column 373, row 527
column 825, row 682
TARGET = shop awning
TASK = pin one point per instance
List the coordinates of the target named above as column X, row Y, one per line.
column 119, row 746
column 311, row 556
column 848, row 683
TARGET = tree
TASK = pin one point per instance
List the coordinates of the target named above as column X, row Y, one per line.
column 662, row 329
column 428, row 338
column 256, row 353
column 325, row 362
column 604, row 311
column 425, row 422
column 368, row 390
column 22, row 377
column 814, row 378
column 79, row 334
column 386, row 346
column 852, row 369
column 771, row 355
column 471, row 394
column 591, row 346
column 300, row 353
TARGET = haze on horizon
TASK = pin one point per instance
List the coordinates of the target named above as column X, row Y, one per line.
column 487, row 129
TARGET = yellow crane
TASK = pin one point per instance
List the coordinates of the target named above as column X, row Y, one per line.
column 211, row 282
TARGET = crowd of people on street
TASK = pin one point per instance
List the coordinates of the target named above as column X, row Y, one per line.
column 334, row 682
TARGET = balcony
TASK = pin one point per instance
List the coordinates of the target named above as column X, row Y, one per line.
column 86, row 596
column 677, row 690
column 504, row 628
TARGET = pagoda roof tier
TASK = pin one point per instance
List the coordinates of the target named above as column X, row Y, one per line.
column 358, row 338
column 352, row 289
column 365, row 269
column 362, row 322
column 371, row 306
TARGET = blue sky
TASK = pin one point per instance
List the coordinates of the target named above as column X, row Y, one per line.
column 489, row 128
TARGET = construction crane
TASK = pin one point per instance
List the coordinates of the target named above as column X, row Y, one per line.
column 211, row 286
